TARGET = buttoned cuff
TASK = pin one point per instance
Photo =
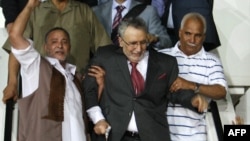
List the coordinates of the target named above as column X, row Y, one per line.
column 95, row 114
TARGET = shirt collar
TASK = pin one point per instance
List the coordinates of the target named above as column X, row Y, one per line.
column 68, row 67
column 176, row 50
column 126, row 3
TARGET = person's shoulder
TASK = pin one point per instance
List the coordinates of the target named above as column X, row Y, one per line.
column 81, row 5
column 212, row 56
column 102, row 6
column 149, row 11
column 167, row 56
column 107, row 48
column 140, row 4
column 162, row 55
column 166, row 50
column 147, row 7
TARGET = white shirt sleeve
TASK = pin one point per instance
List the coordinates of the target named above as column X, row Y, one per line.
column 29, row 60
column 95, row 114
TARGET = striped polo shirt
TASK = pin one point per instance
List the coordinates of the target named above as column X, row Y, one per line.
column 204, row 68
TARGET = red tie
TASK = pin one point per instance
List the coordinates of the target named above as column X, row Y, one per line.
column 117, row 20
column 137, row 79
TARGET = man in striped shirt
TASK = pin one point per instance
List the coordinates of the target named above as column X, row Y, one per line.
column 199, row 71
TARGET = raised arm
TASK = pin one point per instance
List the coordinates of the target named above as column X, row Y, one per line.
column 19, row 42
column 16, row 37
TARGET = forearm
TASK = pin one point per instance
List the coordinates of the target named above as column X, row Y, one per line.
column 10, row 91
column 13, row 68
column 215, row 91
column 17, row 39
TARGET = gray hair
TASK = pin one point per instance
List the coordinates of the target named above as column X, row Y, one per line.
column 137, row 23
column 194, row 16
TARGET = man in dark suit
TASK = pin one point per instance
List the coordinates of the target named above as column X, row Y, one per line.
column 133, row 112
column 157, row 32
column 181, row 7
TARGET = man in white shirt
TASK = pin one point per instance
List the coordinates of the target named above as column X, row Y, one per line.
column 199, row 71
column 51, row 108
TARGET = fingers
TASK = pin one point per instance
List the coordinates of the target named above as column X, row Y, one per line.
column 9, row 92
column 175, row 87
column 238, row 121
column 96, row 71
column 200, row 103
column 177, row 84
column 203, row 106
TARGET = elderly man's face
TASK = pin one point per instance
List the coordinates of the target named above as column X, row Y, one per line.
column 134, row 43
column 191, row 37
column 58, row 45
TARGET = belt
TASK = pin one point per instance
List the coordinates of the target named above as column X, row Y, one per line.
column 132, row 134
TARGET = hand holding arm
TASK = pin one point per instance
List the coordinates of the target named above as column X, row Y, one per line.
column 98, row 73
column 181, row 83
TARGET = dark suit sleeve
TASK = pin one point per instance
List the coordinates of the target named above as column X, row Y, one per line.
column 90, row 86
column 184, row 98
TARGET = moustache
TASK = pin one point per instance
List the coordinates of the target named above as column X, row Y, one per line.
column 191, row 44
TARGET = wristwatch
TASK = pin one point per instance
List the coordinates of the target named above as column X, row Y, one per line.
column 197, row 88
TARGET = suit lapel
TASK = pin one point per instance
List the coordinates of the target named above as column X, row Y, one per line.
column 152, row 73
column 123, row 65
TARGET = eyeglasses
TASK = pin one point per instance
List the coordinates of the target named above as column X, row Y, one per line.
column 135, row 44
